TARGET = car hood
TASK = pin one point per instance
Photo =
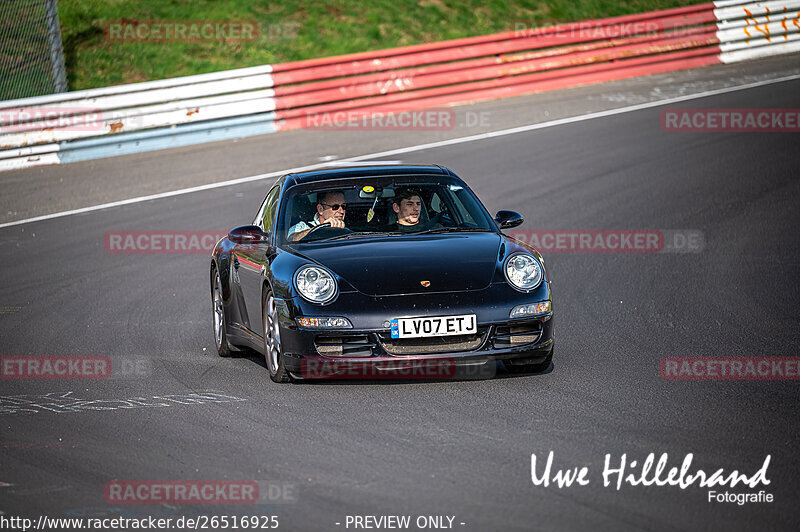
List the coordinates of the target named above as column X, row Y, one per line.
column 398, row 265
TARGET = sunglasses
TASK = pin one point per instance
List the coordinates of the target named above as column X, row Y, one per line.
column 335, row 206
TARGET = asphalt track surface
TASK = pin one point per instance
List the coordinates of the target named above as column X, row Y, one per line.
column 462, row 448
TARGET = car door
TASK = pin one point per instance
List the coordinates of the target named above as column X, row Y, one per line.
column 251, row 262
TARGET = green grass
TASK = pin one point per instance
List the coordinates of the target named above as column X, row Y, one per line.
column 291, row 30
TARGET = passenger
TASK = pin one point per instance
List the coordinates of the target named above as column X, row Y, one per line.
column 331, row 208
column 407, row 204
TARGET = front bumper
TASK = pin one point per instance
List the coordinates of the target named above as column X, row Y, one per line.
column 313, row 354
column 367, row 351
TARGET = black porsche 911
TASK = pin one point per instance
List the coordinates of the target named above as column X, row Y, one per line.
column 380, row 271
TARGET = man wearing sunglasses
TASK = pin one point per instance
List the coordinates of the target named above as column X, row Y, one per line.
column 331, row 209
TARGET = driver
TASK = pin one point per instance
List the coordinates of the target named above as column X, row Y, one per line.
column 331, row 209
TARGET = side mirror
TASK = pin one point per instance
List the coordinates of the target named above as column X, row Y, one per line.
column 508, row 219
column 248, row 234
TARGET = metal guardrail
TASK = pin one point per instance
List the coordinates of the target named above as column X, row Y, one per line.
column 251, row 101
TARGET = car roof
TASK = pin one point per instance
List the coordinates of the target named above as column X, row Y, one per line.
column 347, row 172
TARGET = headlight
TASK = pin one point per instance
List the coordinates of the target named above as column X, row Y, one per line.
column 315, row 284
column 523, row 272
column 531, row 309
column 324, row 322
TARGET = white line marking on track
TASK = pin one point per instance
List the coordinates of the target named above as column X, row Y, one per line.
column 408, row 149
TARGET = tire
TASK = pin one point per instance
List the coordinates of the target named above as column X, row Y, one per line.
column 530, row 368
column 218, row 315
column 273, row 355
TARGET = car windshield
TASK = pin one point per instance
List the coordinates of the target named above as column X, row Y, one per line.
column 379, row 207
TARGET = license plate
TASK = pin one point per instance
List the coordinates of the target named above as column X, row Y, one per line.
column 434, row 326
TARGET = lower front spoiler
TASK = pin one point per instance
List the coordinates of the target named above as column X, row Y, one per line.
column 455, row 366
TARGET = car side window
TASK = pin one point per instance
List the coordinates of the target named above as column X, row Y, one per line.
column 271, row 209
column 463, row 210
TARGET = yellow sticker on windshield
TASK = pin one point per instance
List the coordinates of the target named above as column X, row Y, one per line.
column 368, row 189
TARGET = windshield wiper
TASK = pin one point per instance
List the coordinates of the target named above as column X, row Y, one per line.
column 452, row 230
column 357, row 234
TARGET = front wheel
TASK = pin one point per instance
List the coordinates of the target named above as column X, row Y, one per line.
column 220, row 329
column 272, row 341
